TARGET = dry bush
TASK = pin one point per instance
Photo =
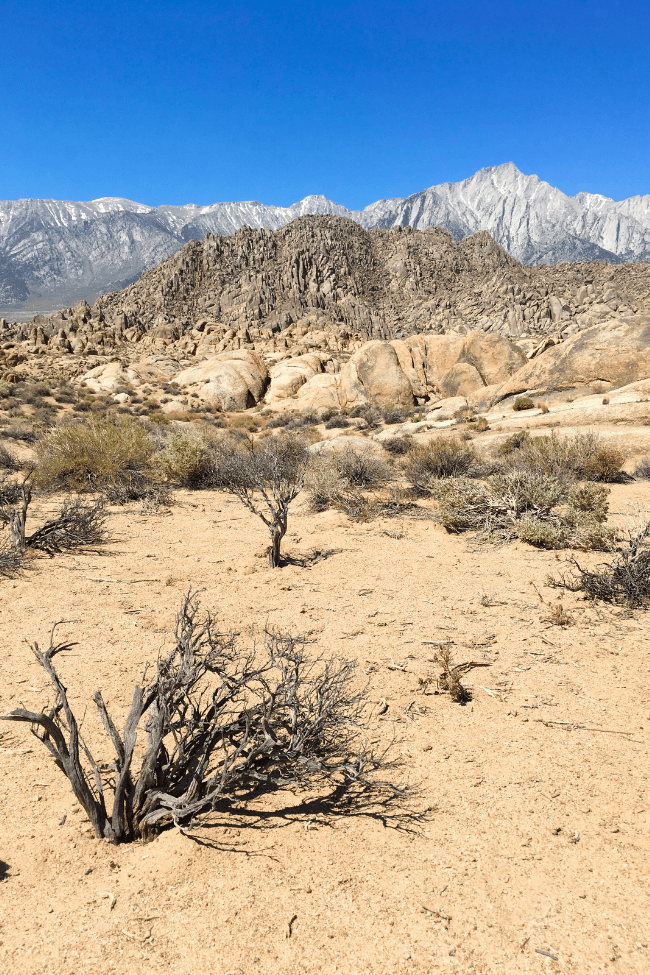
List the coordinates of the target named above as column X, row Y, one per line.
column 395, row 414
column 220, row 721
column 642, row 469
column 541, row 510
column 370, row 414
column 266, row 477
column 8, row 461
column 441, row 457
column 523, row 403
column 339, row 422
column 399, row 446
column 584, row 456
column 625, row 580
column 77, row 525
column 482, row 424
column 362, row 468
column 185, row 460
column 449, row 678
column 100, row 453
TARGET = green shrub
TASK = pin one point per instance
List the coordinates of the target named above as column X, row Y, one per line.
column 440, row 457
column 529, row 505
column 184, row 460
column 523, row 403
column 97, row 453
column 584, row 456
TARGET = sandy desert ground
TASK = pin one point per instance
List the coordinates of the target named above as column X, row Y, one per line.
column 532, row 856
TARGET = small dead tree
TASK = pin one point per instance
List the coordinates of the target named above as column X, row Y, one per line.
column 77, row 524
column 266, row 476
column 219, row 721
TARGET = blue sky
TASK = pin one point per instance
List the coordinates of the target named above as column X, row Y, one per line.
column 203, row 102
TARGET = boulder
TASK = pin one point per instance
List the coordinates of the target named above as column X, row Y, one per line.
column 289, row 375
column 494, row 357
column 616, row 352
column 445, row 409
column 234, row 380
column 461, row 380
column 319, row 393
column 376, row 368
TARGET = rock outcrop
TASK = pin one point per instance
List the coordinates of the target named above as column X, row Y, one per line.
column 231, row 380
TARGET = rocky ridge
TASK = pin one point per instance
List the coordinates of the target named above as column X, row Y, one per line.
column 322, row 314
column 55, row 252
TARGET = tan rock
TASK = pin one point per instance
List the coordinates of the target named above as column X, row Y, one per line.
column 289, row 375
column 446, row 408
column 616, row 352
column 379, row 371
column 319, row 393
column 234, row 380
column 461, row 380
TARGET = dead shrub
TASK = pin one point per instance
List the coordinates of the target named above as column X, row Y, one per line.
column 441, row 457
column 8, row 461
column 642, row 469
column 625, row 580
column 266, row 477
column 338, row 422
column 220, row 720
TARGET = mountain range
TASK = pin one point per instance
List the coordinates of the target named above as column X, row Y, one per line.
column 53, row 253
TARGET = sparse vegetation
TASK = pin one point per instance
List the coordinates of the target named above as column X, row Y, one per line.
column 584, row 456
column 362, row 468
column 338, row 422
column 399, row 446
column 266, row 477
column 625, row 580
column 102, row 453
column 185, row 459
column 441, row 457
column 534, row 507
column 523, row 403
column 220, row 720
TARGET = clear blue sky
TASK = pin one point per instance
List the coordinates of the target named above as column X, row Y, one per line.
column 200, row 102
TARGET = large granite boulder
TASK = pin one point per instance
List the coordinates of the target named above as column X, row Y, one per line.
column 615, row 353
column 290, row 374
column 374, row 375
column 234, row 380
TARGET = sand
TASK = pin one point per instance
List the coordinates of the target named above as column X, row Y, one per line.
column 535, row 843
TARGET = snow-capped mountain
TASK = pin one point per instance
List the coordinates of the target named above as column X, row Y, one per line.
column 57, row 252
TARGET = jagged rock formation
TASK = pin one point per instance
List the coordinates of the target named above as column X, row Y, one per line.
column 324, row 314
column 58, row 252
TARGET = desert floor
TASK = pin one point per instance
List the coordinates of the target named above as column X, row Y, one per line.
column 535, row 845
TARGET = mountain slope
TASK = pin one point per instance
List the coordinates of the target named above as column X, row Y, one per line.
column 58, row 251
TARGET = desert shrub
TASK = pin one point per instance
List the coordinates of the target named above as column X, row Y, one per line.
column 642, row 469
column 339, row 422
column 8, row 461
column 543, row 407
column 6, row 390
column 523, row 403
column 266, row 477
column 395, row 414
column 83, row 406
column 303, row 420
column 77, row 525
column 362, row 468
column 185, row 460
column 625, row 580
column 21, row 431
column 482, row 424
column 248, row 423
column 584, row 456
column 514, row 442
column 220, row 720
column 440, row 457
column 399, row 446
column 102, row 453
column 323, row 483
column 370, row 414
column 278, row 421
column 529, row 505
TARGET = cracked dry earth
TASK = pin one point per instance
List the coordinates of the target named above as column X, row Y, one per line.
column 534, row 853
